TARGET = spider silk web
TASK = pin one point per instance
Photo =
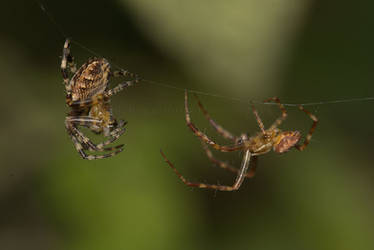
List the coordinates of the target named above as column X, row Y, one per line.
column 172, row 86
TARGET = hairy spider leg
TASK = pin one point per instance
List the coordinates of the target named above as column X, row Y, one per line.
column 78, row 146
column 283, row 117
column 72, row 122
column 115, row 134
column 67, row 62
column 238, row 181
column 220, row 130
column 311, row 130
column 121, row 86
column 203, row 136
column 258, row 119
column 124, row 73
column 252, row 169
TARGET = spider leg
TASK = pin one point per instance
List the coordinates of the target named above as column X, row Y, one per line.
column 87, row 121
column 203, row 136
column 124, row 73
column 258, row 119
column 87, row 102
column 114, row 135
column 220, row 130
column 78, row 146
column 311, row 130
column 82, row 120
column 238, row 181
column 67, row 61
column 283, row 110
column 99, row 147
column 225, row 165
column 123, row 85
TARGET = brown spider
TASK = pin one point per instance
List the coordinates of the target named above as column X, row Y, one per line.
column 88, row 97
column 260, row 143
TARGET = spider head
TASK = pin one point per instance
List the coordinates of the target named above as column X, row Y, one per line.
column 284, row 141
column 242, row 139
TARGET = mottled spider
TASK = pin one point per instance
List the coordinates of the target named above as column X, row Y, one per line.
column 88, row 97
column 258, row 144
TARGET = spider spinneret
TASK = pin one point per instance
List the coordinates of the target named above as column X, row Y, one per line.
column 88, row 97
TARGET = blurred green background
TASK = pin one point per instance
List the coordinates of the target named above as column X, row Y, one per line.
column 300, row 51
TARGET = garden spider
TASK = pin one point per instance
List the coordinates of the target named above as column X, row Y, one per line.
column 258, row 144
column 88, row 97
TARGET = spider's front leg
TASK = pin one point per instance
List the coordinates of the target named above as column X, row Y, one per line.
column 123, row 85
column 67, row 62
column 283, row 117
column 311, row 130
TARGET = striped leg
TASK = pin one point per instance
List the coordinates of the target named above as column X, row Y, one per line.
column 87, row 102
column 311, row 130
column 238, row 181
column 258, row 119
column 114, row 135
column 203, row 136
column 283, row 110
column 225, row 165
column 101, row 146
column 89, row 145
column 121, row 86
column 223, row 132
column 80, row 148
column 124, row 73
column 83, row 143
column 67, row 62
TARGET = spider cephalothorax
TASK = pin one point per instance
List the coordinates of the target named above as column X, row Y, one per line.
column 88, row 97
column 261, row 143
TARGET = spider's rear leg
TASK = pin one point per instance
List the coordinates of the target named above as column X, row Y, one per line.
column 220, row 130
column 311, row 130
column 252, row 169
column 203, row 136
column 72, row 122
column 80, row 150
column 114, row 135
column 238, row 181
column 92, row 146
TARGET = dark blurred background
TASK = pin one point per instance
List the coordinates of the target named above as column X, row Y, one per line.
column 301, row 51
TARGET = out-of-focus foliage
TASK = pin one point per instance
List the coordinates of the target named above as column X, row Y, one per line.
column 300, row 51
column 222, row 42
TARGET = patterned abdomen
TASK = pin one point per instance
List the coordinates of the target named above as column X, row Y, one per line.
column 91, row 79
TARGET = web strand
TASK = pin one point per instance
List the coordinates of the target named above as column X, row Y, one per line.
column 360, row 99
column 171, row 86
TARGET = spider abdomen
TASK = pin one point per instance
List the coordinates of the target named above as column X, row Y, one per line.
column 91, row 79
column 286, row 140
